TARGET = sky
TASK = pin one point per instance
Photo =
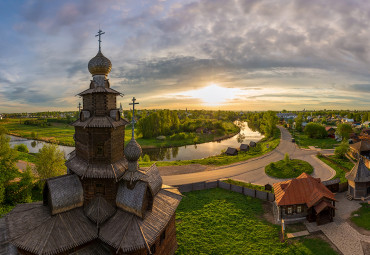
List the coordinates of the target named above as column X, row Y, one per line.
column 247, row 55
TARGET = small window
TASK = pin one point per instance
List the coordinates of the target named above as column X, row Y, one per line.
column 290, row 210
column 163, row 236
column 99, row 189
column 299, row 209
column 152, row 249
column 99, row 150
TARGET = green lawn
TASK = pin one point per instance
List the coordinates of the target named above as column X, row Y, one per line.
column 264, row 146
column 363, row 218
column 28, row 157
column 292, row 169
column 304, row 141
column 341, row 166
column 218, row 221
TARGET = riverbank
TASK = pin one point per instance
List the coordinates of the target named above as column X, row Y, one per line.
column 263, row 146
column 62, row 134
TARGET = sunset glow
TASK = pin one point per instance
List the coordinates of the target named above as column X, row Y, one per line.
column 213, row 95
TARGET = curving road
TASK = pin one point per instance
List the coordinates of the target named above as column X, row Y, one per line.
column 253, row 170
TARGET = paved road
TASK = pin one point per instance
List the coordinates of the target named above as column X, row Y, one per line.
column 253, row 170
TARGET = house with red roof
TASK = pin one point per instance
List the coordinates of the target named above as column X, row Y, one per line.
column 304, row 197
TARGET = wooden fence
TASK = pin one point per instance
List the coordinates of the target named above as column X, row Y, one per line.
column 223, row 185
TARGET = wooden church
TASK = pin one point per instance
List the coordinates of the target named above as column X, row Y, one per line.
column 105, row 204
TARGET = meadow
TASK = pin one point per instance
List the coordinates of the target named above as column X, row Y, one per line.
column 340, row 165
column 291, row 168
column 219, row 221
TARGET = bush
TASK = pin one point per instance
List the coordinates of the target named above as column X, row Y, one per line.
column 286, row 158
column 342, row 149
column 22, row 148
column 146, row 158
column 315, row 130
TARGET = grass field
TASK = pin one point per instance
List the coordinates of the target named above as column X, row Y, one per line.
column 341, row 166
column 363, row 218
column 62, row 133
column 304, row 141
column 218, row 221
column 291, row 169
column 264, row 146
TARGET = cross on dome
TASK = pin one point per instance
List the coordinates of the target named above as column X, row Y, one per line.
column 100, row 32
column 133, row 115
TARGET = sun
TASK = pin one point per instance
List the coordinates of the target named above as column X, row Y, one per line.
column 213, row 94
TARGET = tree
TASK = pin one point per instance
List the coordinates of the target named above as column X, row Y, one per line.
column 344, row 130
column 22, row 148
column 315, row 130
column 8, row 169
column 342, row 149
column 50, row 162
column 298, row 122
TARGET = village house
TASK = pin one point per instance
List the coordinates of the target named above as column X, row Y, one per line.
column 330, row 131
column 244, row 147
column 303, row 198
column 358, row 181
column 105, row 204
column 231, row 151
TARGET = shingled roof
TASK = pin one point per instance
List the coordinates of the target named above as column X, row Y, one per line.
column 303, row 190
column 363, row 145
column 63, row 193
column 99, row 210
column 84, row 169
column 359, row 173
column 127, row 232
column 99, row 122
column 40, row 233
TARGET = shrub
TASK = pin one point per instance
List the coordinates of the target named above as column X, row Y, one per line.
column 286, row 158
column 22, row 148
column 315, row 130
column 146, row 158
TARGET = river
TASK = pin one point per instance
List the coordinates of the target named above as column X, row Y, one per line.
column 187, row 152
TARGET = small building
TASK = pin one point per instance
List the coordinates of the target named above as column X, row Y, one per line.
column 252, row 144
column 303, row 198
column 244, row 147
column 359, row 181
column 231, row 151
column 330, row 131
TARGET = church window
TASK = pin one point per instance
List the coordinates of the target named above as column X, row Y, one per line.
column 163, row 236
column 152, row 249
column 99, row 189
column 100, row 150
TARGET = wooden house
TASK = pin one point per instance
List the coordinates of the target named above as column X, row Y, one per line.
column 252, row 144
column 360, row 148
column 244, row 147
column 231, row 151
column 303, row 198
column 358, row 181
column 105, row 204
column 330, row 131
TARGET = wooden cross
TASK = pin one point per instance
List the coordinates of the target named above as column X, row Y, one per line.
column 133, row 115
column 100, row 32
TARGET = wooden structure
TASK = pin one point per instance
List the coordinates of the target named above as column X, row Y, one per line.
column 252, row 144
column 105, row 204
column 330, row 131
column 359, row 180
column 304, row 198
column 332, row 185
column 231, row 151
column 360, row 148
column 244, row 147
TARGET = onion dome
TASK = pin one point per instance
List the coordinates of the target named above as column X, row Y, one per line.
column 99, row 64
column 133, row 150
